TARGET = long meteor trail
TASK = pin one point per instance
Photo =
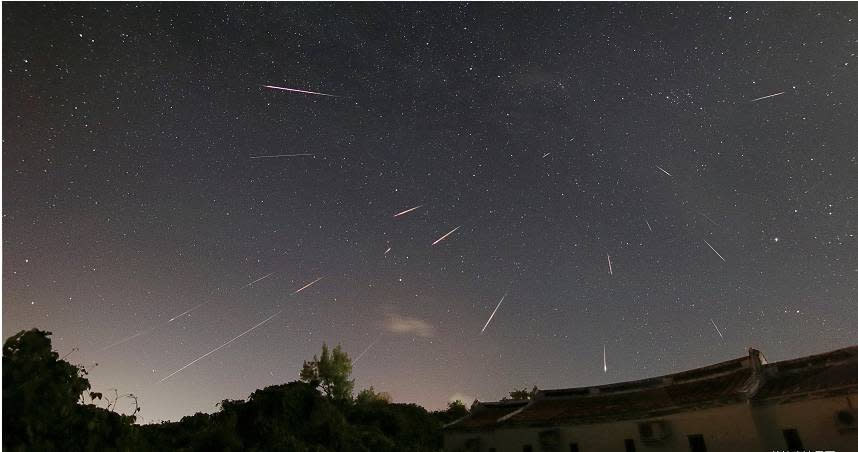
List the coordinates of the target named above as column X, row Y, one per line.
column 298, row 91
column 770, row 95
column 605, row 358
column 664, row 171
column 257, row 280
column 408, row 210
column 445, row 236
column 716, row 328
column 493, row 314
column 716, row 252
column 308, row 285
column 222, row 346
column 610, row 268
column 122, row 341
column 366, row 350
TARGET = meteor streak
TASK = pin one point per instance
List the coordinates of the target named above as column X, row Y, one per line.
column 222, row 346
column 298, row 91
column 716, row 328
column 716, row 252
column 493, row 314
column 605, row 358
column 280, row 155
column 710, row 220
column 408, row 210
column 308, row 285
column 387, row 251
column 610, row 268
column 188, row 311
column 139, row 333
column 257, row 280
column 445, row 236
column 647, row 224
column 770, row 95
column 663, row 171
column 366, row 350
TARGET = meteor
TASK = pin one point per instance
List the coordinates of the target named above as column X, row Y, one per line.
column 298, row 91
column 647, row 224
column 770, row 95
column 716, row 252
column 222, row 346
column 663, row 171
column 387, row 251
column 716, row 328
column 139, row 333
column 610, row 268
column 445, row 236
column 188, row 311
column 308, row 285
column 408, row 210
column 257, row 280
column 605, row 358
column 366, row 350
column 493, row 314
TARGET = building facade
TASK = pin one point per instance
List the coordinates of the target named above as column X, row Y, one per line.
column 744, row 404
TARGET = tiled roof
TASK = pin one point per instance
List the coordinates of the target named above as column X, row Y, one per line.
column 742, row 379
column 636, row 403
column 804, row 376
column 487, row 414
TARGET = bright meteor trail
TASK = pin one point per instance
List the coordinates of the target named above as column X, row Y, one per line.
column 257, row 280
column 308, row 285
column 298, row 91
column 663, row 171
column 445, row 236
column 408, row 210
column 770, row 95
column 716, row 328
column 222, row 346
column 493, row 314
column 716, row 252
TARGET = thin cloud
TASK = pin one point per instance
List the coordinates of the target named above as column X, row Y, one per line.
column 398, row 324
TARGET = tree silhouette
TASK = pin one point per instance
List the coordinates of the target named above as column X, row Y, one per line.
column 42, row 396
column 331, row 373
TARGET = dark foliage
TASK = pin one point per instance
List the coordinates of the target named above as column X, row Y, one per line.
column 43, row 410
column 42, row 407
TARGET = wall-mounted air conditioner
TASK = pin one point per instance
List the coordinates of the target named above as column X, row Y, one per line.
column 846, row 420
column 653, row 431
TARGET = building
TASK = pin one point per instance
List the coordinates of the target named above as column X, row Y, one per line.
column 744, row 404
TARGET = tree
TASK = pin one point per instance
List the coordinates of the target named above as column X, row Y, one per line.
column 522, row 394
column 370, row 396
column 41, row 398
column 331, row 373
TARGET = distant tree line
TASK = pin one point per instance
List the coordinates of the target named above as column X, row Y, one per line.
column 47, row 406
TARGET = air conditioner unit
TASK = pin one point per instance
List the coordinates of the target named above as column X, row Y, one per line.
column 653, row 431
column 846, row 420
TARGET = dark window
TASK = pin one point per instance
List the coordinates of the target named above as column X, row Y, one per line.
column 573, row 447
column 527, row 448
column 492, row 449
column 696, row 443
column 793, row 441
column 630, row 445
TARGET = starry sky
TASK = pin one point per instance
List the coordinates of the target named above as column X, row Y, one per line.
column 615, row 172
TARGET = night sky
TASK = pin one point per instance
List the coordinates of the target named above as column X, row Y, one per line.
column 608, row 167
